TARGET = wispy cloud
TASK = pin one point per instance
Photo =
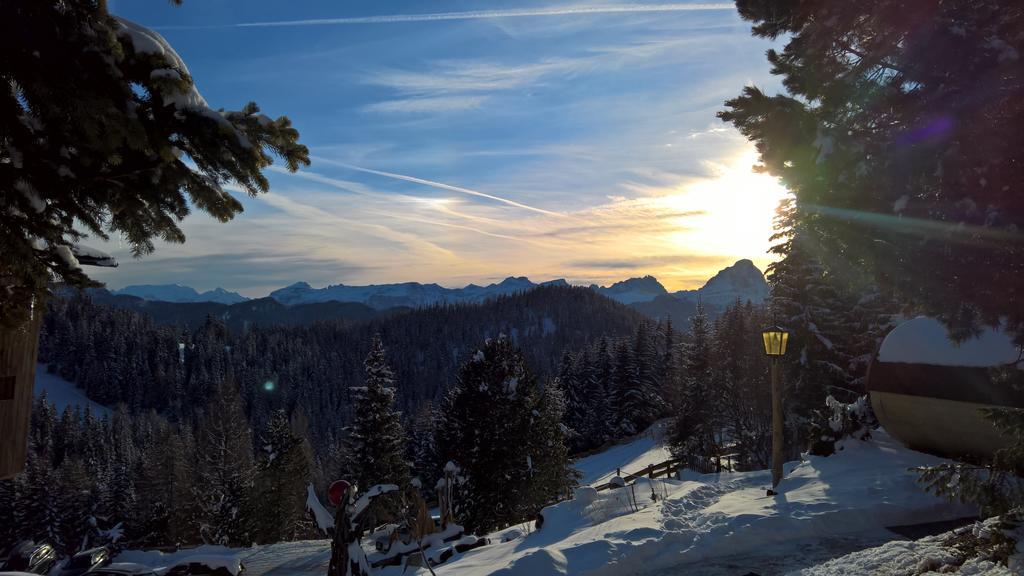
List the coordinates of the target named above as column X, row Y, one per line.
column 479, row 15
column 433, row 104
column 647, row 262
column 440, row 186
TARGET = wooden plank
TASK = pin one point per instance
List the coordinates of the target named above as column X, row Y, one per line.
column 18, row 349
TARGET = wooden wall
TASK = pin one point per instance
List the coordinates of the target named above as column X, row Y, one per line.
column 18, row 348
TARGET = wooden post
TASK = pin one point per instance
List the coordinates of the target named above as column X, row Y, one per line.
column 776, row 424
column 18, row 349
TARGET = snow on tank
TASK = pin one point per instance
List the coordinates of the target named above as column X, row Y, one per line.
column 925, row 340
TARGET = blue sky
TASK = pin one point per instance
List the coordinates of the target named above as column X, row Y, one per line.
column 458, row 142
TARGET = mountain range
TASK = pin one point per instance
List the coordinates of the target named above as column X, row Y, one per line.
column 179, row 293
column 742, row 281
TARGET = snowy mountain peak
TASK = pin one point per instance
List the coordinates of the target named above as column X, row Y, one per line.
column 633, row 290
column 743, row 281
column 178, row 293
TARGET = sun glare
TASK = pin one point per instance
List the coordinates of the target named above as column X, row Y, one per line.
column 736, row 207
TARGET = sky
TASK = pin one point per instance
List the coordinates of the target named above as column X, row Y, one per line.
column 458, row 142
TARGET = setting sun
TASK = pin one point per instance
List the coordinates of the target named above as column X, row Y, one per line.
column 735, row 210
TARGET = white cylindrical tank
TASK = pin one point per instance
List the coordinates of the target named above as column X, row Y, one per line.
column 929, row 391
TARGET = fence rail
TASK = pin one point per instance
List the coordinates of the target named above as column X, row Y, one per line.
column 700, row 464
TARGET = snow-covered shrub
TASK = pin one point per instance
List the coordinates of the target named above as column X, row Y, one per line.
column 841, row 420
column 993, row 540
column 996, row 486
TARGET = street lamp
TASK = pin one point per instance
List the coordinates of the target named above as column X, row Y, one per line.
column 775, row 340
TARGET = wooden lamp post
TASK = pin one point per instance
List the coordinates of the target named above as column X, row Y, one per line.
column 775, row 340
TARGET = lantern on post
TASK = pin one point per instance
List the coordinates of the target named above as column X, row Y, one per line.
column 775, row 340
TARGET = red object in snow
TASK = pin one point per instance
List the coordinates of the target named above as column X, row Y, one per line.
column 337, row 491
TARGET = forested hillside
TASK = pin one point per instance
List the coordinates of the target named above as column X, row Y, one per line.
column 119, row 355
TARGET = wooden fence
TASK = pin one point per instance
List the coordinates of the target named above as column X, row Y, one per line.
column 700, row 464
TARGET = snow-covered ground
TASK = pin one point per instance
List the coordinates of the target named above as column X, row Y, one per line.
column 63, row 393
column 837, row 504
column 714, row 524
column 636, row 454
column 929, row 555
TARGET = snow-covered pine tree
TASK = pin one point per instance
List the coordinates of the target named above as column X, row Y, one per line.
column 422, row 448
column 693, row 430
column 224, row 471
column 106, row 133
column 486, row 432
column 74, row 500
column 669, row 370
column 161, row 470
column 283, row 471
column 651, row 402
column 119, row 498
column 741, row 389
column 572, row 379
column 375, row 446
column 902, row 168
column 806, row 302
column 9, row 521
column 601, row 390
column 625, row 391
column 552, row 476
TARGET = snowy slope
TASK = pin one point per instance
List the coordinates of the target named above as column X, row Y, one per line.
column 639, row 452
column 63, row 393
column 857, row 492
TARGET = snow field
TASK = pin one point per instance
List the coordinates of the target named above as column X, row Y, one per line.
column 862, row 489
column 62, row 393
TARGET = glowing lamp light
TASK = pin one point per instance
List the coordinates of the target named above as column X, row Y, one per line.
column 268, row 385
column 775, row 340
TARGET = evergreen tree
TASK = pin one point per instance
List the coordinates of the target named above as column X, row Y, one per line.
column 376, row 440
column 283, row 472
column 9, row 528
column 422, row 448
column 602, row 394
column 693, row 429
column 572, row 379
column 669, row 370
column 487, row 428
column 625, row 389
column 105, row 132
column 900, row 160
column 807, row 303
column 74, row 501
column 552, row 476
column 224, row 471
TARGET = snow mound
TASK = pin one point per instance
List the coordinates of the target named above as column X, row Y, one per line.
column 925, row 340
column 924, row 556
column 210, row 555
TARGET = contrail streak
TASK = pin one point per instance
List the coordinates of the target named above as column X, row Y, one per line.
column 442, row 186
column 476, row 15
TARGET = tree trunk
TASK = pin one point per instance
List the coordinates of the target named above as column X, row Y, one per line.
column 18, row 349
